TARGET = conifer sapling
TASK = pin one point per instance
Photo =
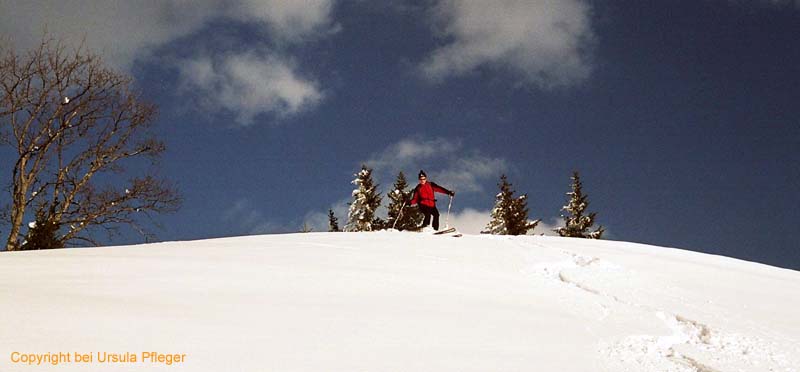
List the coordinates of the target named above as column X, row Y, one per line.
column 510, row 214
column 401, row 215
column 333, row 222
column 366, row 201
column 576, row 224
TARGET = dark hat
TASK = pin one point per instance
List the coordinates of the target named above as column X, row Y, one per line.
column 422, row 174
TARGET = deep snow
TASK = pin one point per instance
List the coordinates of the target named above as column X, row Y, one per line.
column 393, row 301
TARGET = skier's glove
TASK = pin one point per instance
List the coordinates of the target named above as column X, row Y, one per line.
column 452, row 193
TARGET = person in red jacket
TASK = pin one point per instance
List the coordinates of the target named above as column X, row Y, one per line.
column 423, row 194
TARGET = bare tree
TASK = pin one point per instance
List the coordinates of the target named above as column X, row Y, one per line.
column 74, row 124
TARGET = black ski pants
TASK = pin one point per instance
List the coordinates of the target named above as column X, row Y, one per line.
column 430, row 212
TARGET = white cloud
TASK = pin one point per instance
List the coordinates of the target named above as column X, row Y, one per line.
column 247, row 219
column 779, row 2
column 469, row 172
column 288, row 20
column 410, row 151
column 469, row 221
column 124, row 30
column 250, row 84
column 445, row 161
column 244, row 218
column 473, row 221
column 546, row 42
column 318, row 221
column 547, row 226
column 795, row 4
column 119, row 30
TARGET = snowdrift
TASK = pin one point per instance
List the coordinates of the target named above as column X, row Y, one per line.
column 395, row 301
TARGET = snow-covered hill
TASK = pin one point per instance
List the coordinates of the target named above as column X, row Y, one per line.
column 394, row 301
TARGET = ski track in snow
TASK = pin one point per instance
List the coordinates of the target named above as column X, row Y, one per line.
column 440, row 305
column 691, row 347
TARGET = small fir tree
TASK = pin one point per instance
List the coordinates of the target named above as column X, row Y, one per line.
column 576, row 224
column 510, row 214
column 379, row 224
column 366, row 201
column 42, row 234
column 519, row 224
column 401, row 215
column 333, row 222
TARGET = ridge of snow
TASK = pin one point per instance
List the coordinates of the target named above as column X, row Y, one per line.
column 401, row 301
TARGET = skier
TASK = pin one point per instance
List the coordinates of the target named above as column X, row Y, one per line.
column 423, row 194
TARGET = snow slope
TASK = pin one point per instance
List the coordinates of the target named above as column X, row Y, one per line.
column 393, row 301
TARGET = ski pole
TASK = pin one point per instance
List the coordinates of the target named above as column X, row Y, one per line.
column 399, row 214
column 447, row 218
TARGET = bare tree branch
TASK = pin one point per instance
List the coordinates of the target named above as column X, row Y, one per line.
column 73, row 122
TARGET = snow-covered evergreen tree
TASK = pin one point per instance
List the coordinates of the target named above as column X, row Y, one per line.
column 333, row 222
column 378, row 224
column 497, row 225
column 518, row 223
column 408, row 218
column 510, row 214
column 366, row 201
column 42, row 233
column 576, row 224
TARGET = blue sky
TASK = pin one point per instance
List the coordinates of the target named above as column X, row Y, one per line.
column 683, row 119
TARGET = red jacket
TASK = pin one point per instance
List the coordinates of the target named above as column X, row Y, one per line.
column 423, row 194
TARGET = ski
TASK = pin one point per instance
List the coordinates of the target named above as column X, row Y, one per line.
column 450, row 232
column 445, row 231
